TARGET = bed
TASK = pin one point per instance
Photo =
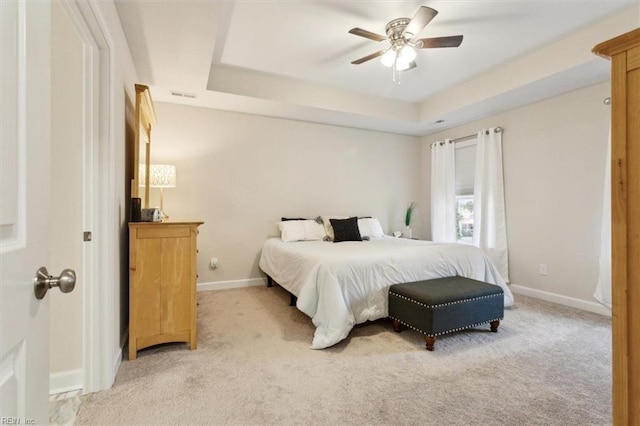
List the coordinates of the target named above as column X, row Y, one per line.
column 340, row 285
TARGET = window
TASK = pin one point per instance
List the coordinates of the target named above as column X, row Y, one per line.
column 465, row 175
column 464, row 218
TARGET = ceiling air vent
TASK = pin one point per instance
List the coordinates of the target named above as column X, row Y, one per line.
column 183, row 95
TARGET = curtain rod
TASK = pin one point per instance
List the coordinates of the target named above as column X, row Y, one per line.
column 475, row 135
column 469, row 137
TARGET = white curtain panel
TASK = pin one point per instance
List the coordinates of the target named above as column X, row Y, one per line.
column 489, row 219
column 443, row 192
column 603, row 288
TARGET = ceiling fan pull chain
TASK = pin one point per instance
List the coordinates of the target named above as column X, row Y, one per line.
column 393, row 69
column 395, row 74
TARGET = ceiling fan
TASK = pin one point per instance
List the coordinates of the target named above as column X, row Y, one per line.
column 401, row 33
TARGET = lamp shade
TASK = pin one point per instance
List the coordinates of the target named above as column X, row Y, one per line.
column 160, row 176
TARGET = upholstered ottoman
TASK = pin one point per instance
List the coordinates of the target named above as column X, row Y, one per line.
column 442, row 305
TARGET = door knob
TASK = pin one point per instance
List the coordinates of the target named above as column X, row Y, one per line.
column 66, row 282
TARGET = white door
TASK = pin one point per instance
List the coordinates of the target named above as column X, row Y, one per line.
column 24, row 209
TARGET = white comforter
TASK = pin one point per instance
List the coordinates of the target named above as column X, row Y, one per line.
column 342, row 284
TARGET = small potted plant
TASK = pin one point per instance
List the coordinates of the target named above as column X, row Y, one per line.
column 407, row 219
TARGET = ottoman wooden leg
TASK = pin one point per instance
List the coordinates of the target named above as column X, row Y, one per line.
column 430, row 342
column 494, row 326
column 397, row 326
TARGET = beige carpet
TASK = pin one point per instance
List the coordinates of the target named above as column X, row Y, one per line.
column 547, row 365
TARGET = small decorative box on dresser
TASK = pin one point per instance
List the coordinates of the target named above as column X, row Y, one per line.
column 162, row 284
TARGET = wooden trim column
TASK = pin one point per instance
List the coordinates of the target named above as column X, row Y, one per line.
column 624, row 53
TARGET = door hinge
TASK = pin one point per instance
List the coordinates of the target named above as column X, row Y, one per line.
column 86, row 236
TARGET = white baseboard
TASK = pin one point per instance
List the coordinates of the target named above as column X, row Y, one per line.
column 65, row 381
column 585, row 305
column 222, row 285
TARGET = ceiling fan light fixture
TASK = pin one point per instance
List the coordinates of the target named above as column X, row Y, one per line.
column 407, row 54
column 401, row 35
column 388, row 58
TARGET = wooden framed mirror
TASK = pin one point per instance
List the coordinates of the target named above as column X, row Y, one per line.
column 145, row 117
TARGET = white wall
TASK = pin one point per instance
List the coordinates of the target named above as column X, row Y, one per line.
column 554, row 167
column 240, row 173
column 66, row 190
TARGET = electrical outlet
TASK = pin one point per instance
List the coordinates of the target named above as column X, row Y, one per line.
column 542, row 269
column 214, row 263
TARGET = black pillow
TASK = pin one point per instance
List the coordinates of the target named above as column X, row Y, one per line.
column 345, row 229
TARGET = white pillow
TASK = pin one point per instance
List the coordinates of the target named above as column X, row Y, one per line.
column 370, row 227
column 328, row 229
column 301, row 230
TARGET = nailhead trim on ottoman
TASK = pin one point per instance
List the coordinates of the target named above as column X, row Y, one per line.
column 444, row 305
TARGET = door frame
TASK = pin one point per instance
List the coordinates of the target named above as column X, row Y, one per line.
column 100, row 357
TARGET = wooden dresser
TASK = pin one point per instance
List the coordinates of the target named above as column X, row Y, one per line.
column 162, row 284
column 624, row 52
